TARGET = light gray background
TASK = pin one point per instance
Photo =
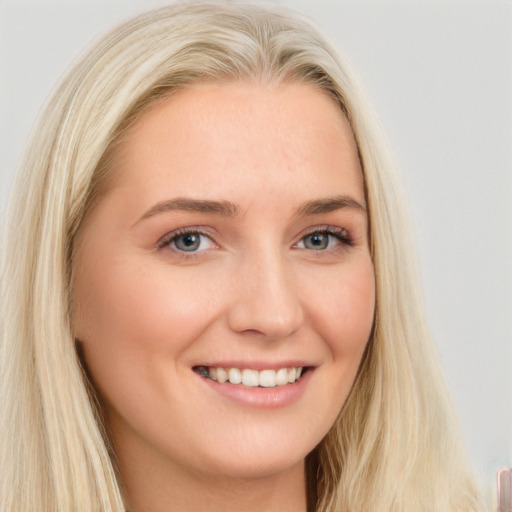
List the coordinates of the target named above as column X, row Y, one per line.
column 440, row 77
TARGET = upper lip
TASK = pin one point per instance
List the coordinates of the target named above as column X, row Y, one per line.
column 257, row 365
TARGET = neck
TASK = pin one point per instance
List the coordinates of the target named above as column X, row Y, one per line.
column 150, row 486
column 277, row 493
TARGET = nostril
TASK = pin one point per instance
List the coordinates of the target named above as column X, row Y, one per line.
column 264, row 321
column 265, row 301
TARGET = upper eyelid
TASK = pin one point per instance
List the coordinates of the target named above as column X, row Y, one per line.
column 344, row 236
column 332, row 230
column 324, row 228
column 168, row 237
column 202, row 230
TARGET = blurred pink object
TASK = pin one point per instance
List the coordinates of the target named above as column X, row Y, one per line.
column 504, row 478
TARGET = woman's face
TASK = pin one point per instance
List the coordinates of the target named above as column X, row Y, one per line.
column 232, row 245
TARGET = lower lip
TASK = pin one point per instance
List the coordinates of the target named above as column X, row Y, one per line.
column 262, row 398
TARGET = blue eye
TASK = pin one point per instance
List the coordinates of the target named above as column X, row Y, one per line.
column 192, row 241
column 317, row 241
column 322, row 240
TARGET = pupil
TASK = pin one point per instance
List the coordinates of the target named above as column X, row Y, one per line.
column 317, row 241
column 188, row 242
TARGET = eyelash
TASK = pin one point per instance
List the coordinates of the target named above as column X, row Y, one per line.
column 341, row 234
column 174, row 235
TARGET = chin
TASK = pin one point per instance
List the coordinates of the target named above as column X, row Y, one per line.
column 263, row 466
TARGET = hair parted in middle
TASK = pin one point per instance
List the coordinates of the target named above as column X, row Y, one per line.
column 394, row 445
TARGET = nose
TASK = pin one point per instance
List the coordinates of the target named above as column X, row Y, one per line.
column 266, row 301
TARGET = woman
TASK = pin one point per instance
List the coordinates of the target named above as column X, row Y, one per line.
column 217, row 308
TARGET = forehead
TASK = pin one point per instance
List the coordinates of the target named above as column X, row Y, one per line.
column 221, row 139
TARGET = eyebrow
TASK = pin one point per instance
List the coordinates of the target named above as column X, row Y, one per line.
column 229, row 209
column 330, row 204
column 223, row 208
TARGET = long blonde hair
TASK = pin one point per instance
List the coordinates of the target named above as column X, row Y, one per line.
column 395, row 445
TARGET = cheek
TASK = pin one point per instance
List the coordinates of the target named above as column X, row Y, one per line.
column 126, row 314
column 344, row 310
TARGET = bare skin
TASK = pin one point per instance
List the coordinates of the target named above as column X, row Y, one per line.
column 233, row 238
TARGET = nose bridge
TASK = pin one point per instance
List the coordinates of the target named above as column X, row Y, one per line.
column 266, row 300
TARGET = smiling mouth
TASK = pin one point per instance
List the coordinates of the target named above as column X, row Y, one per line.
column 252, row 378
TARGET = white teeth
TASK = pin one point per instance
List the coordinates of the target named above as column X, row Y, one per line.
column 252, row 378
column 235, row 376
column 268, row 378
column 282, row 377
column 222, row 375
